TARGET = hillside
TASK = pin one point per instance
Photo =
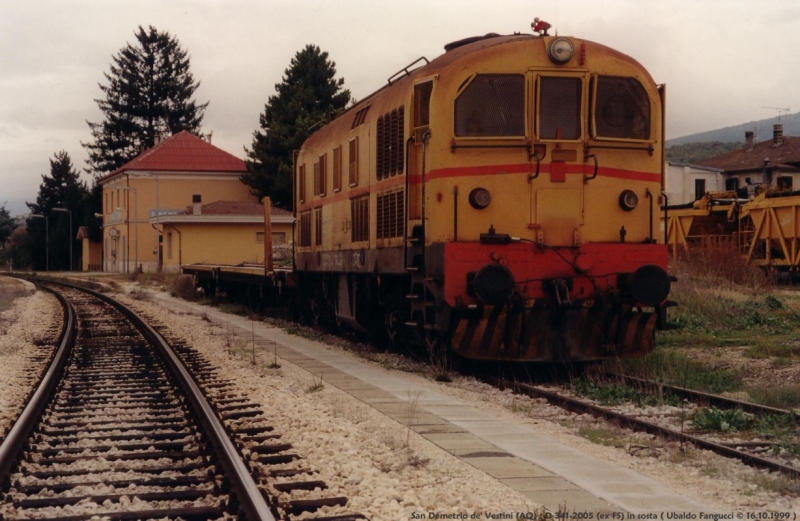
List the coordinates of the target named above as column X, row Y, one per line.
column 762, row 128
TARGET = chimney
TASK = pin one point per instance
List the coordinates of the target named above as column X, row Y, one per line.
column 777, row 134
column 748, row 139
column 197, row 200
column 208, row 136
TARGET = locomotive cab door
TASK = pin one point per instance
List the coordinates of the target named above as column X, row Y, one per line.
column 415, row 162
column 559, row 129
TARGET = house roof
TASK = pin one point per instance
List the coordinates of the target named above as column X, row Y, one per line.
column 784, row 155
column 234, row 208
column 183, row 152
column 226, row 211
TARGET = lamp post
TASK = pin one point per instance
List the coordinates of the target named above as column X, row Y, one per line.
column 46, row 239
column 70, row 232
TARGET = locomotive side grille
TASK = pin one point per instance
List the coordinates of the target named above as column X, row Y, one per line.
column 381, row 151
column 360, row 117
column 352, row 172
column 301, row 188
column 560, row 108
column 623, row 108
column 392, row 170
column 390, row 215
column 318, row 226
column 305, row 228
column 320, row 175
column 492, row 105
column 389, row 143
column 398, row 141
column 422, row 104
column 337, row 168
column 359, row 216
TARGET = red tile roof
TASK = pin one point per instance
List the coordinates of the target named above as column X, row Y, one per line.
column 234, row 208
column 786, row 154
column 183, row 152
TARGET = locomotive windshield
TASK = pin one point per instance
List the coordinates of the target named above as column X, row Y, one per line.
column 492, row 105
column 623, row 108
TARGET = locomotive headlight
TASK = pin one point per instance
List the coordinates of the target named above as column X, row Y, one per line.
column 560, row 50
column 628, row 200
column 479, row 198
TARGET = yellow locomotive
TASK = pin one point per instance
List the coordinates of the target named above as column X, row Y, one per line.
column 501, row 199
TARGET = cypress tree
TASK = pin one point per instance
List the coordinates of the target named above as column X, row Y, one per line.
column 149, row 91
column 308, row 97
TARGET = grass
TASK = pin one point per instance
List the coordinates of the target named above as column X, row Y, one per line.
column 781, row 397
column 673, row 367
column 603, row 436
column 612, row 393
column 725, row 420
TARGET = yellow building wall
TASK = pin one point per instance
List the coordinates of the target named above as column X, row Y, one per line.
column 229, row 244
column 129, row 200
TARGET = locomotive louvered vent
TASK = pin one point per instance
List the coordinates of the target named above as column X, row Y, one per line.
column 352, row 170
column 492, row 105
column 301, row 188
column 305, row 228
column 318, row 226
column 320, row 175
column 361, row 115
column 623, row 108
column 560, row 108
column 391, row 208
column 422, row 104
column 359, row 216
column 389, row 143
column 337, row 169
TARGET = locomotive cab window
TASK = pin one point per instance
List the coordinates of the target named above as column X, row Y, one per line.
column 559, row 107
column 621, row 108
column 492, row 105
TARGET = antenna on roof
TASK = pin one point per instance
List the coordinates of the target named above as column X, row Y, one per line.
column 781, row 111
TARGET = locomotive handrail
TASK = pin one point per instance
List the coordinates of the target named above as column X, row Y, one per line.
column 454, row 146
column 594, row 158
column 531, row 177
column 405, row 69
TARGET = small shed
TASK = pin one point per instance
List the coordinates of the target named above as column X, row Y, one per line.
column 222, row 233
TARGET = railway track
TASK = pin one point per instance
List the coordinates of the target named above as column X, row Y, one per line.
column 125, row 426
column 673, row 424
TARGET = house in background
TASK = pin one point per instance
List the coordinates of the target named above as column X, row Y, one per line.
column 222, row 232
column 160, row 181
column 686, row 183
column 91, row 251
column 774, row 164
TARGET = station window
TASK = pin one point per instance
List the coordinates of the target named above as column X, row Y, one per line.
column 559, row 108
column 622, row 108
column 260, row 237
column 699, row 188
column 278, row 237
column 785, row 183
column 492, row 105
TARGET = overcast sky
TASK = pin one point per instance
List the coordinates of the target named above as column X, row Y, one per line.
column 722, row 60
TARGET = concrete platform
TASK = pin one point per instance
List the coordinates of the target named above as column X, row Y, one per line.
column 527, row 461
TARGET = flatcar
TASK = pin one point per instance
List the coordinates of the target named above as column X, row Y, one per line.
column 500, row 200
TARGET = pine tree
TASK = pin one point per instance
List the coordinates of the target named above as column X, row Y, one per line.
column 61, row 189
column 6, row 226
column 149, row 92
column 308, row 97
